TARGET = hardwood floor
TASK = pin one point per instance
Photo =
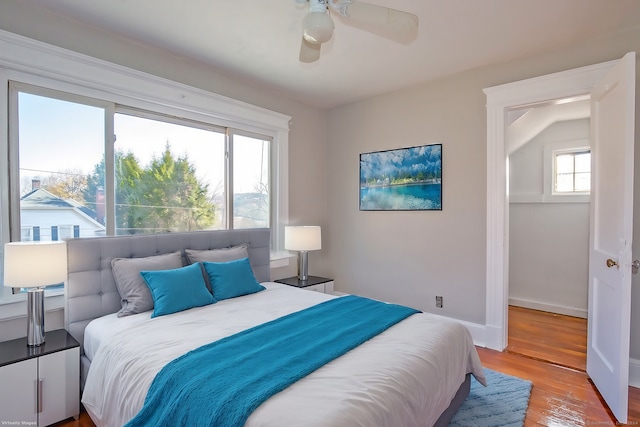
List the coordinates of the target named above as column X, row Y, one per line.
column 561, row 396
column 551, row 351
column 548, row 336
column 83, row 421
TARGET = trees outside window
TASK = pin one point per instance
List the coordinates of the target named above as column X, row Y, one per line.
column 163, row 196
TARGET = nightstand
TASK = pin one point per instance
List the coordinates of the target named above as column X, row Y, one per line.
column 40, row 385
column 314, row 283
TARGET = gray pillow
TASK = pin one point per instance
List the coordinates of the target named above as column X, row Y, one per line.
column 217, row 255
column 134, row 292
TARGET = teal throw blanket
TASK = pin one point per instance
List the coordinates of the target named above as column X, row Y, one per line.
column 222, row 383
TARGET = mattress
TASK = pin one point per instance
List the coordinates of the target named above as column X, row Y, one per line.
column 100, row 329
column 405, row 376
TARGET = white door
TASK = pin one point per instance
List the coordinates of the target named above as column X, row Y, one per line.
column 612, row 140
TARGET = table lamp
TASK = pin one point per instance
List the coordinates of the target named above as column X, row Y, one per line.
column 303, row 239
column 34, row 265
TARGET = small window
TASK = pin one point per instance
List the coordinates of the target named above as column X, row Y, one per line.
column 572, row 171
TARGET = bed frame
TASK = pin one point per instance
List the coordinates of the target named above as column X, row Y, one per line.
column 90, row 290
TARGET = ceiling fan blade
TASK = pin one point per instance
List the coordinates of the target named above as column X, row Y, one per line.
column 387, row 22
column 309, row 52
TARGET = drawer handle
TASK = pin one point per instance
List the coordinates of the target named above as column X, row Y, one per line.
column 39, row 398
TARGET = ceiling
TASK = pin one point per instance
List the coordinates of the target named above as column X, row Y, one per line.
column 524, row 123
column 259, row 40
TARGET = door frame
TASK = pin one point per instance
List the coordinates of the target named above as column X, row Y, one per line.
column 564, row 84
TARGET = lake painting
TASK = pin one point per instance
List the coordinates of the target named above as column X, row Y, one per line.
column 402, row 180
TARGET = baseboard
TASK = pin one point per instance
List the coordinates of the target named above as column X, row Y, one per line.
column 552, row 308
column 495, row 338
column 478, row 331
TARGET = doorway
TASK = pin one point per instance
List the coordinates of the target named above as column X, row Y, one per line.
column 612, row 86
column 566, row 84
column 548, row 148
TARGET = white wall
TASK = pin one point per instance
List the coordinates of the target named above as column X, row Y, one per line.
column 410, row 257
column 548, row 238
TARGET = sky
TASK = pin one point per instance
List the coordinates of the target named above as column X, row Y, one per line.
column 58, row 136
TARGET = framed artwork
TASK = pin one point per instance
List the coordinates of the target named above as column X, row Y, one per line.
column 404, row 179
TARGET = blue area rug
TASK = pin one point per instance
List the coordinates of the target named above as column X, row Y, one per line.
column 503, row 403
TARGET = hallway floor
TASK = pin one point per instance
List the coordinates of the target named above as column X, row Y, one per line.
column 549, row 337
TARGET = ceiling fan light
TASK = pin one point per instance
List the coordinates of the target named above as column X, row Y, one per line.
column 318, row 27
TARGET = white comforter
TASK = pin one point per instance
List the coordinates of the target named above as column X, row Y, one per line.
column 405, row 376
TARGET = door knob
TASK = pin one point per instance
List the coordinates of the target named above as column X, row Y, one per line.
column 635, row 265
column 611, row 263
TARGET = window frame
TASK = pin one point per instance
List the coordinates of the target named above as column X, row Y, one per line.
column 14, row 150
column 38, row 64
column 549, row 172
column 572, row 152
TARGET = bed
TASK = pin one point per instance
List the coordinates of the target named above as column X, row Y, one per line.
column 415, row 373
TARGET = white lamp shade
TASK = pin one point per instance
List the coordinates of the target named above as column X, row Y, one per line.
column 302, row 238
column 34, row 264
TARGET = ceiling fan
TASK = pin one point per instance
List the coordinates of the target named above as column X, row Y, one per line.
column 317, row 25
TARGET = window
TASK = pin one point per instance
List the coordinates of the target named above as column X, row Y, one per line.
column 57, row 138
column 58, row 141
column 572, row 171
column 205, row 161
column 250, row 181
column 169, row 174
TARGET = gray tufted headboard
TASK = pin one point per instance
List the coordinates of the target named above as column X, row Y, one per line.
column 90, row 290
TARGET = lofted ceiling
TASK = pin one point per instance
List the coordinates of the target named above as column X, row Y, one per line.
column 524, row 123
column 259, row 40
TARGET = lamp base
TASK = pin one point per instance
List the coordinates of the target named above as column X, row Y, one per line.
column 35, row 317
column 303, row 263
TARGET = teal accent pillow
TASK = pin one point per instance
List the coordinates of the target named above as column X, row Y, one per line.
column 178, row 289
column 133, row 291
column 232, row 279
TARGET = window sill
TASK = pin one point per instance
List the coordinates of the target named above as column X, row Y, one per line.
column 281, row 259
column 555, row 198
column 17, row 308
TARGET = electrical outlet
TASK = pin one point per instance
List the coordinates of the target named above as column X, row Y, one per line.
column 439, row 302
